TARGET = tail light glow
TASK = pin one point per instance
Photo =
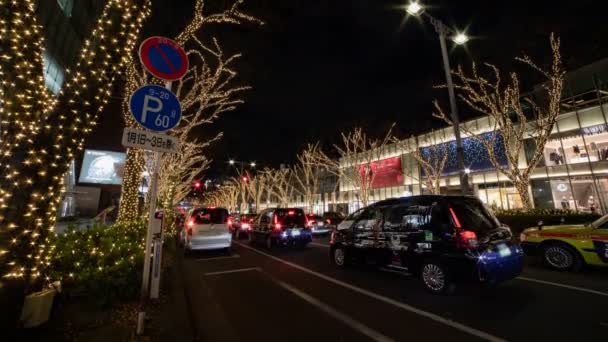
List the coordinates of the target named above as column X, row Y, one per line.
column 229, row 221
column 245, row 226
column 310, row 223
column 468, row 239
column 291, row 212
column 328, row 221
column 277, row 226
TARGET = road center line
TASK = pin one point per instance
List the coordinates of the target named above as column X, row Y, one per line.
column 233, row 271
column 429, row 315
column 342, row 317
column 219, row 258
column 570, row 287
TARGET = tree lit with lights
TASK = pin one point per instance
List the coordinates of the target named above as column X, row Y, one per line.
column 41, row 134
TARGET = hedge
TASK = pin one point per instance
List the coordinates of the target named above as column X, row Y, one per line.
column 103, row 262
column 519, row 219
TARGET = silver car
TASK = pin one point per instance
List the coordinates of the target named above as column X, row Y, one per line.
column 207, row 228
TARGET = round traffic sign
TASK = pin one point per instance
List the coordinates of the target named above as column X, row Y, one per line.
column 163, row 58
column 155, row 108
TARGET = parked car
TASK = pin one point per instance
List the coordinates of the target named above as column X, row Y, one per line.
column 242, row 224
column 569, row 247
column 281, row 227
column 207, row 228
column 442, row 239
column 332, row 219
column 316, row 224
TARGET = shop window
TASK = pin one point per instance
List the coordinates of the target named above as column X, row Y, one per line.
column 578, row 193
column 541, row 194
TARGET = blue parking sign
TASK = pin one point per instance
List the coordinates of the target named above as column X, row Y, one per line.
column 155, row 108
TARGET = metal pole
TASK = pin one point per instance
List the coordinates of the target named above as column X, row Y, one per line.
column 442, row 30
column 145, row 284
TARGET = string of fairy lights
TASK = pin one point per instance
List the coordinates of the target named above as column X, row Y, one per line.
column 41, row 133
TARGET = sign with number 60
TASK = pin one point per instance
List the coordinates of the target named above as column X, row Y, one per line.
column 155, row 108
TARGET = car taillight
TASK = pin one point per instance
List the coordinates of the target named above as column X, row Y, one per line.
column 229, row 221
column 328, row 221
column 310, row 223
column 190, row 223
column 468, row 239
column 245, row 226
column 277, row 226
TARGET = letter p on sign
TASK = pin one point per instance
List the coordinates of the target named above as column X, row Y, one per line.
column 147, row 108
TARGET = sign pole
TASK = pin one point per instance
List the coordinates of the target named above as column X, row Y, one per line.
column 157, row 110
column 158, row 245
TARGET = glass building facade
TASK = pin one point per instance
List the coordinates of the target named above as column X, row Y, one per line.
column 573, row 173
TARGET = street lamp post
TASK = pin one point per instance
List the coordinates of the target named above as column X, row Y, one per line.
column 414, row 8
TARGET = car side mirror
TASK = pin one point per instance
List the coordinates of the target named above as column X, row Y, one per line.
column 540, row 225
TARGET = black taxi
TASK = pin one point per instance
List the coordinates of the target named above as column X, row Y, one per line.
column 441, row 239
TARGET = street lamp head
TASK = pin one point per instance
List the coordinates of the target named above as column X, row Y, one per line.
column 467, row 170
column 460, row 38
column 252, row 164
column 231, row 162
column 414, row 8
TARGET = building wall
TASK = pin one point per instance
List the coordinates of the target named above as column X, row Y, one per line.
column 573, row 173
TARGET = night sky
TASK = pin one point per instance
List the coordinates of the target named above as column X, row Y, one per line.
column 321, row 67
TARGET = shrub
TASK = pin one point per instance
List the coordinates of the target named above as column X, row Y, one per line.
column 519, row 219
column 103, row 262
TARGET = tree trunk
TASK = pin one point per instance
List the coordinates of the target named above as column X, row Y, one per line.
column 524, row 192
column 129, row 197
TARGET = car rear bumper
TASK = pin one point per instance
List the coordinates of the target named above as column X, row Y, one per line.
column 287, row 237
column 487, row 266
column 323, row 230
column 209, row 242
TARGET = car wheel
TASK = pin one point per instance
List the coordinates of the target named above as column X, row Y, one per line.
column 436, row 278
column 268, row 242
column 340, row 257
column 561, row 257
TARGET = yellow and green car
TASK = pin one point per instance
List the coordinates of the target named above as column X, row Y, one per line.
column 569, row 247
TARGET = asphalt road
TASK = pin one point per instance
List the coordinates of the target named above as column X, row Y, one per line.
column 255, row 294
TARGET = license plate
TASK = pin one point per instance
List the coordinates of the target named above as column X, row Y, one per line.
column 504, row 250
column 295, row 232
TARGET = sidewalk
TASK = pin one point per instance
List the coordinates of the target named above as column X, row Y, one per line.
column 169, row 316
column 79, row 319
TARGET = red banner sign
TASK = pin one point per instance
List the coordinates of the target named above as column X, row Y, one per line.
column 386, row 172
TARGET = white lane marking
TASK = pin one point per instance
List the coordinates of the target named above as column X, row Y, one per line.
column 233, row 271
column 429, row 315
column 570, row 287
column 219, row 258
column 349, row 321
column 318, row 244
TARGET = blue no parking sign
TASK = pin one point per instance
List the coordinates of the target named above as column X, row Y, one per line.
column 155, row 108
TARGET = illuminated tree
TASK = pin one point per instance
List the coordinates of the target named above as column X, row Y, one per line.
column 41, row 134
column 306, row 175
column 279, row 185
column 432, row 159
column 514, row 117
column 205, row 92
column 354, row 167
column 257, row 188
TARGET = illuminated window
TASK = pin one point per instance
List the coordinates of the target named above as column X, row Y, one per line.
column 53, row 73
column 66, row 6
